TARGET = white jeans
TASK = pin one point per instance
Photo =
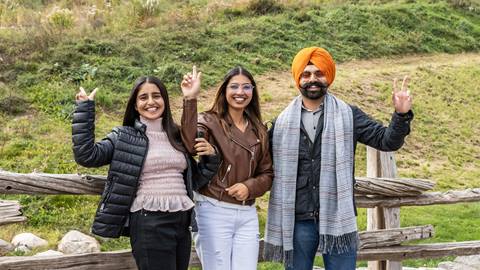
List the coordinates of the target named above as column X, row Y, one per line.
column 227, row 238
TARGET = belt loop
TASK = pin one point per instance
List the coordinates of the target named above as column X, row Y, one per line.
column 243, row 202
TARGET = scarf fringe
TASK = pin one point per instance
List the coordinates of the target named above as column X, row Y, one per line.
column 340, row 244
column 328, row 244
column 275, row 253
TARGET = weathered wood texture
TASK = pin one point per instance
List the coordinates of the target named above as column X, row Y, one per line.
column 382, row 164
column 399, row 253
column 35, row 183
column 120, row 260
column 392, row 237
column 428, row 198
column 123, row 260
column 5, row 247
column 393, row 187
column 42, row 183
column 10, row 212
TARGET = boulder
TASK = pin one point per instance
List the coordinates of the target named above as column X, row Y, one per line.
column 75, row 242
column 27, row 241
column 5, row 247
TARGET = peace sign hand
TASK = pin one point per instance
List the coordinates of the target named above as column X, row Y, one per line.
column 82, row 95
column 191, row 84
column 402, row 101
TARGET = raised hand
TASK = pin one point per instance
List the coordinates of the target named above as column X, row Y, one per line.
column 402, row 101
column 239, row 191
column 191, row 84
column 203, row 147
column 82, row 95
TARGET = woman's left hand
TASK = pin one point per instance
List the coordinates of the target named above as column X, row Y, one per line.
column 239, row 191
column 203, row 147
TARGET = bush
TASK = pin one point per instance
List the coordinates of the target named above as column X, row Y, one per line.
column 61, row 19
column 171, row 75
column 13, row 105
column 263, row 7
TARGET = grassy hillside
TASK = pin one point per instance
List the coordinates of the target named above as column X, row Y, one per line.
column 46, row 54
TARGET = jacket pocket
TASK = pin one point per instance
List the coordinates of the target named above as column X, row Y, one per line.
column 302, row 182
column 107, row 191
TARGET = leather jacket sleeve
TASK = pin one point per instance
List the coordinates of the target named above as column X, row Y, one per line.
column 372, row 133
column 189, row 124
column 86, row 152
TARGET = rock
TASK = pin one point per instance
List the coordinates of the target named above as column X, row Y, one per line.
column 462, row 263
column 5, row 247
column 454, row 266
column 49, row 253
column 75, row 242
column 28, row 241
column 473, row 260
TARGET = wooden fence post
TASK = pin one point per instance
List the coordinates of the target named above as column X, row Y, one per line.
column 382, row 164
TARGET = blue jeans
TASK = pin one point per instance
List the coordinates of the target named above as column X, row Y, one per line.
column 305, row 245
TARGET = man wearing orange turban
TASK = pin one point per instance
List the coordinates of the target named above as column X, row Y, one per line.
column 313, row 143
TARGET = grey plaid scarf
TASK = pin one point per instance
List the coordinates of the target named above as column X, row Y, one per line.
column 337, row 221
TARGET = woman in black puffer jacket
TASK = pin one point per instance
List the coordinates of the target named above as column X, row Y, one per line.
column 148, row 194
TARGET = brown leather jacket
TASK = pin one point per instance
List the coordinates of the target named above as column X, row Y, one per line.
column 242, row 157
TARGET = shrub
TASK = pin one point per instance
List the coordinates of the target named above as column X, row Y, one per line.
column 61, row 19
column 263, row 7
column 170, row 74
column 13, row 105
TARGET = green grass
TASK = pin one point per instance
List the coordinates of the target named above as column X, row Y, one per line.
column 41, row 67
column 111, row 58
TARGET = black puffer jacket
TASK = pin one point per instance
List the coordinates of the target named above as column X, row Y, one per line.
column 125, row 149
column 365, row 130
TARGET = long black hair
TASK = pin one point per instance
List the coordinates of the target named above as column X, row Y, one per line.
column 131, row 113
column 252, row 111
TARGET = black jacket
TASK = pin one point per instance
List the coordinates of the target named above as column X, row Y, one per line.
column 125, row 149
column 365, row 129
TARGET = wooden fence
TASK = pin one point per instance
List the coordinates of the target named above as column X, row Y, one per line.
column 381, row 192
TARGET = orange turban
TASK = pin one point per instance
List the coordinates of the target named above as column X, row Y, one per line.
column 319, row 57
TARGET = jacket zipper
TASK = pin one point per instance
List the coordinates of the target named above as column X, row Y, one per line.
column 109, row 192
column 141, row 169
column 252, row 157
column 226, row 173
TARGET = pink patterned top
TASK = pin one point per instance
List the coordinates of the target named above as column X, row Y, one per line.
column 162, row 187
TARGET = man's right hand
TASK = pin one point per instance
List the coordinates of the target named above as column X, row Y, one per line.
column 82, row 95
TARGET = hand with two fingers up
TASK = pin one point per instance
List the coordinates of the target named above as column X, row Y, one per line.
column 402, row 100
column 83, row 96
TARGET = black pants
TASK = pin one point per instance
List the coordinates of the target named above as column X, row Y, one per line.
column 160, row 240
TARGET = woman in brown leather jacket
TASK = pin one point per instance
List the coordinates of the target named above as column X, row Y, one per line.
column 227, row 220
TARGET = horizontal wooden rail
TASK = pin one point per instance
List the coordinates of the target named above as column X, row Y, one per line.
column 393, row 187
column 10, row 212
column 392, row 237
column 400, row 253
column 118, row 260
column 123, row 260
column 43, row 183
column 428, row 198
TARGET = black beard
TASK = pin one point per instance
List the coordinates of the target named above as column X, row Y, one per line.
column 314, row 94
